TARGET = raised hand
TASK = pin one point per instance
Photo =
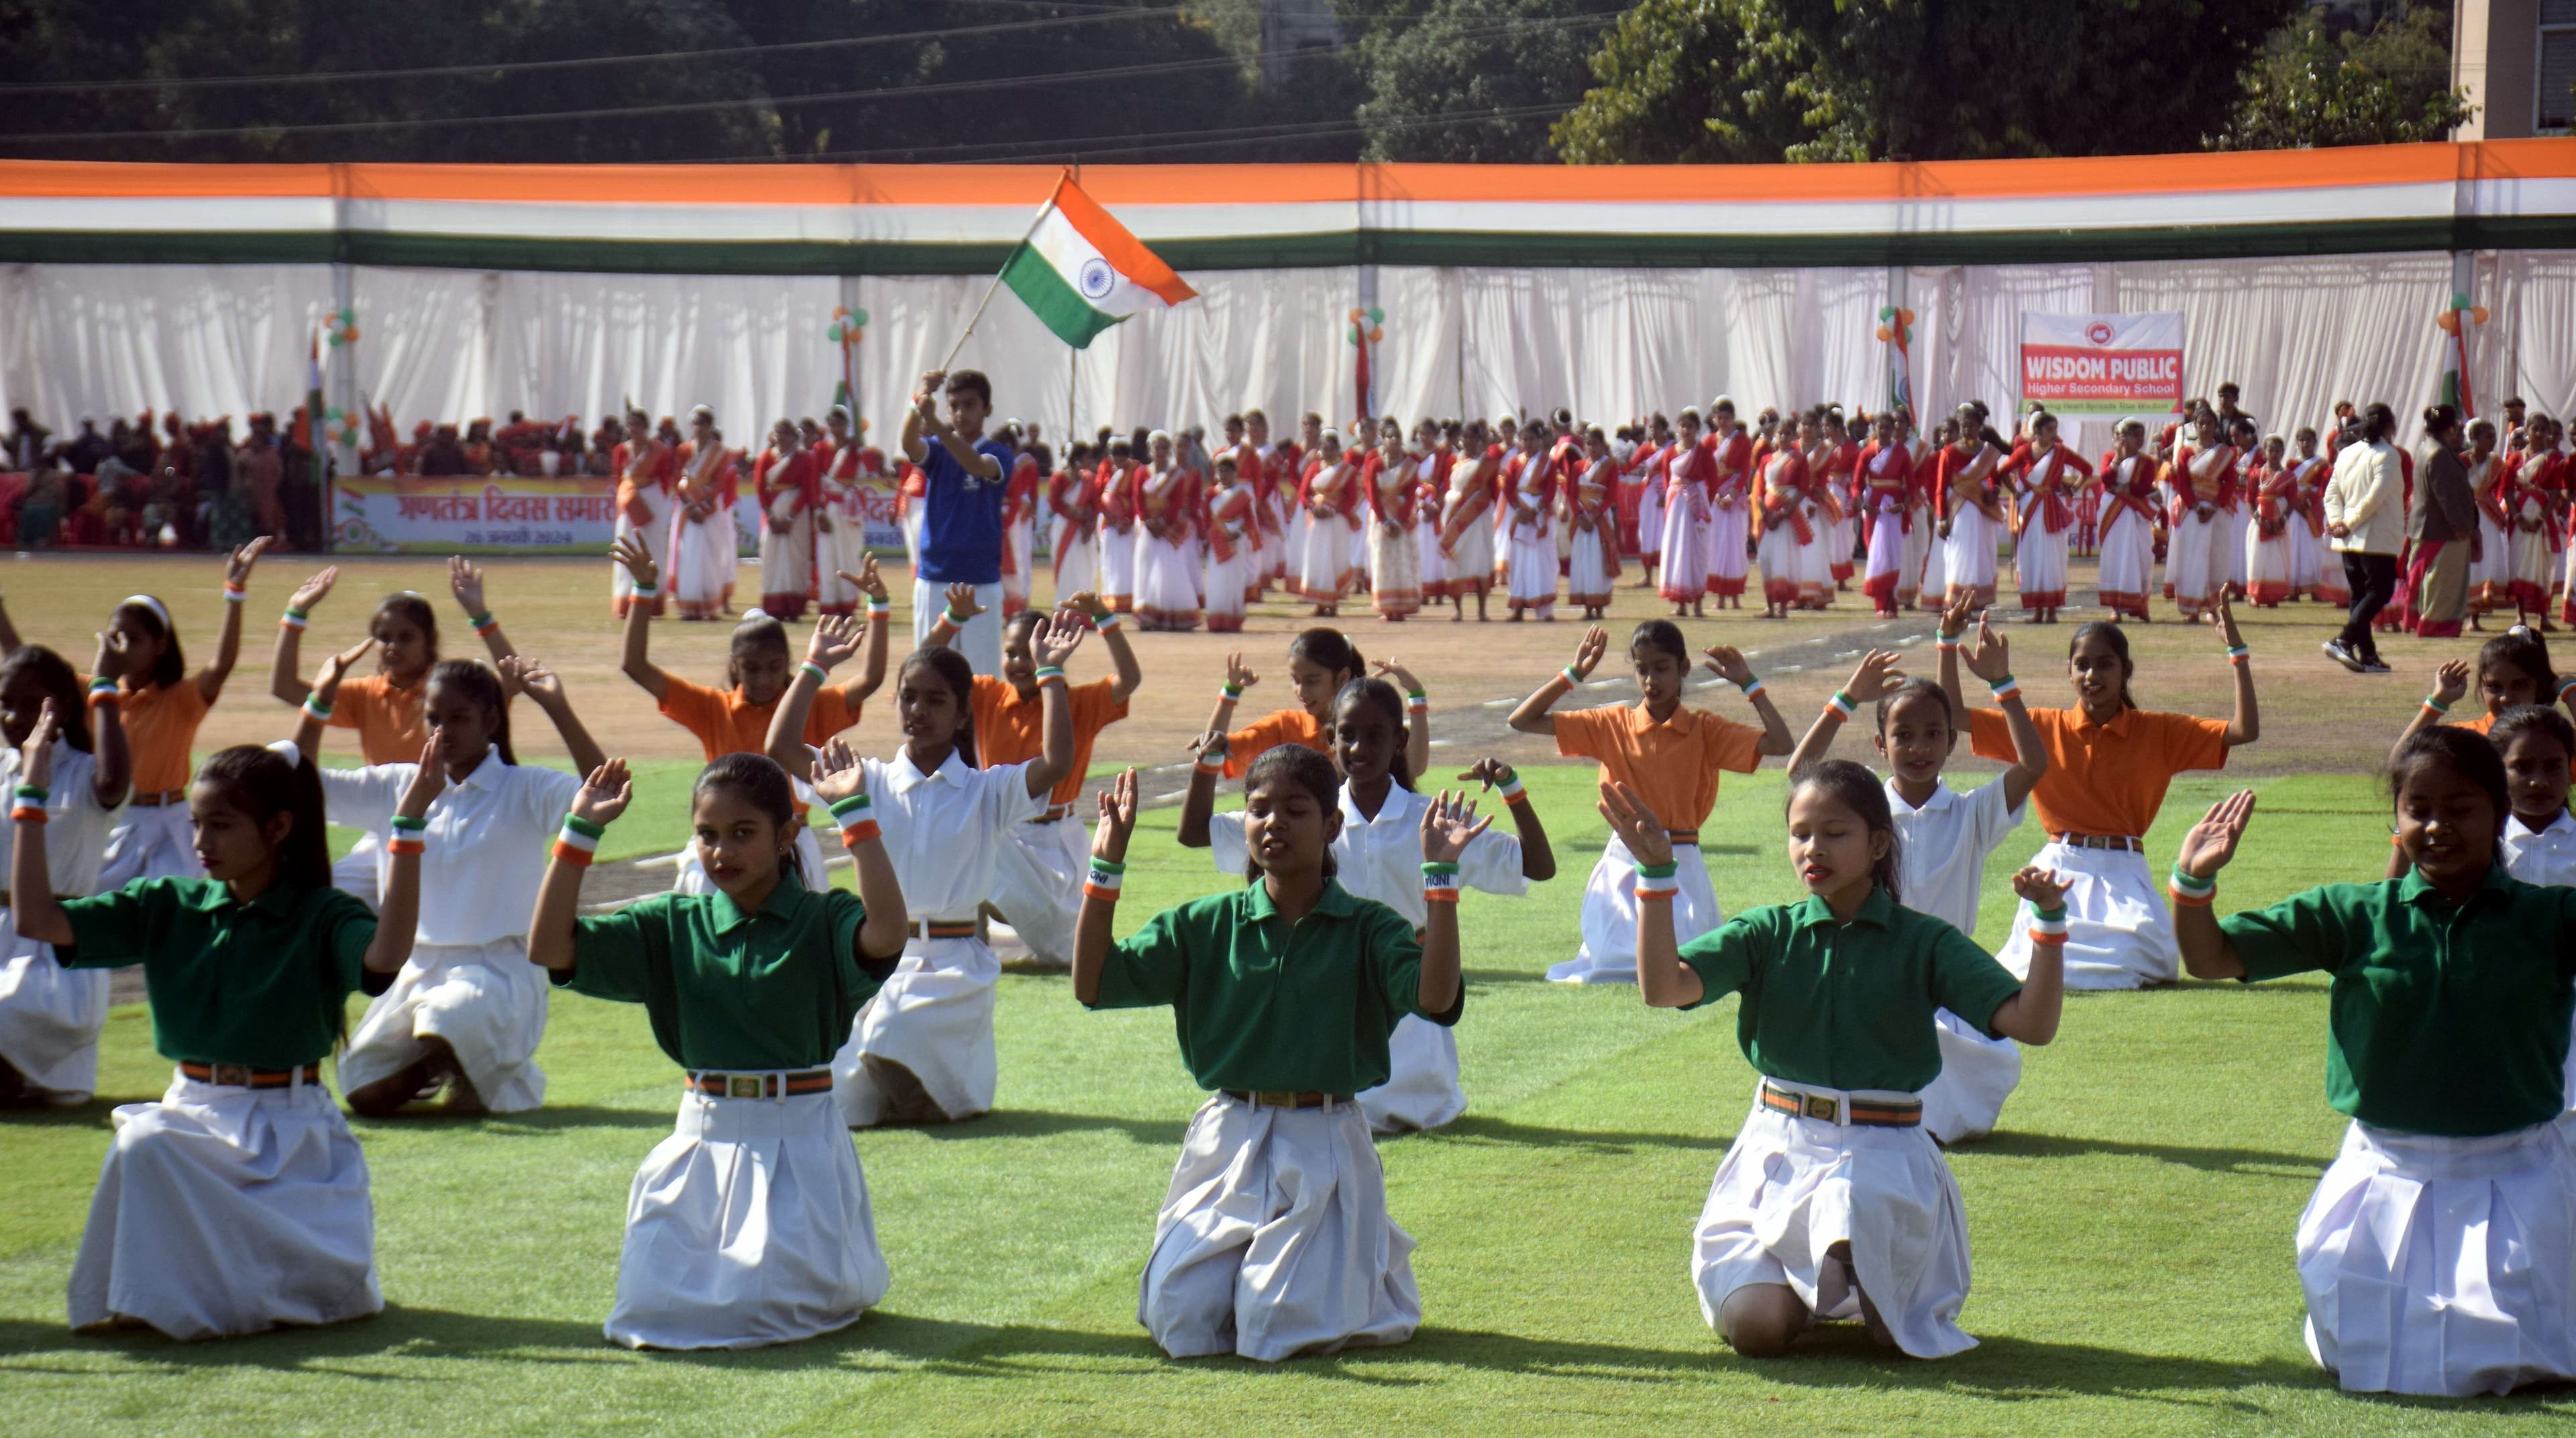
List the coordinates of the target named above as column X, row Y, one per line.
column 1238, row 673
column 1083, row 601
column 2212, row 841
column 1449, row 826
column 1635, row 824
column 36, row 756
column 605, row 794
column 1210, row 745
column 838, row 774
column 2451, row 681
column 1117, row 819
column 868, row 581
column 327, row 682
column 426, row 781
column 1489, row 772
column 313, row 591
column 1876, row 678
column 639, row 562
column 531, row 677
column 116, row 657
column 2044, row 888
column 836, row 637
column 1394, row 669
column 237, row 566
column 465, row 581
column 961, row 600
column 1727, row 660
column 1589, row 649
column 1991, row 657
column 1053, row 642
column 2223, row 615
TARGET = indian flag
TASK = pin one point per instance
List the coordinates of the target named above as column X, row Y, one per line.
column 1081, row 272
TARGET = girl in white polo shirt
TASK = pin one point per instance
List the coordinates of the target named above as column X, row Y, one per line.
column 1943, row 838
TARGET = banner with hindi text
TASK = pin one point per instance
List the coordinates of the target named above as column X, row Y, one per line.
column 2103, row 365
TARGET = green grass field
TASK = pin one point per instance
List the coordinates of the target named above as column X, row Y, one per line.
column 2132, row 1227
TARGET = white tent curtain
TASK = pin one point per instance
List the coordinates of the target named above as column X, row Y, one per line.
column 2297, row 332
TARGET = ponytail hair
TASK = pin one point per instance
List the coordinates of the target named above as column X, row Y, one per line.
column 264, row 783
column 478, row 683
column 62, row 685
column 757, row 780
column 1379, row 695
column 1329, row 650
column 951, row 669
column 1855, row 788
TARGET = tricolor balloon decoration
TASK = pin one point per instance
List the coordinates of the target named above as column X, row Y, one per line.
column 1896, row 330
column 847, row 324
column 340, row 327
column 340, row 426
column 2456, row 321
column 1365, row 325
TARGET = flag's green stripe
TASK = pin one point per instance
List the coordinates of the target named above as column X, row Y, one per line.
column 1054, row 301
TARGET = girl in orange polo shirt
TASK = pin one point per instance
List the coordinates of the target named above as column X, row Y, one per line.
column 2513, row 670
column 1673, row 757
column 2109, row 763
column 1038, row 884
column 758, row 666
column 162, row 706
column 1320, row 661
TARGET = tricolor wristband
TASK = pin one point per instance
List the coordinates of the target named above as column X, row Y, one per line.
column 1841, row 705
column 1211, row 762
column 402, row 843
column 2004, row 688
column 235, row 594
column 1658, row 881
column 579, row 841
column 1418, row 700
column 1440, row 883
column 2434, row 703
column 1510, row 787
column 102, row 690
column 1944, row 641
column 2239, row 654
column 1050, row 673
column 856, row 817
column 27, row 804
column 2048, row 926
column 294, row 618
column 1104, row 879
column 484, row 623
column 1753, row 686
column 2195, row 892
column 880, row 608
column 955, row 619
column 2566, row 684
column 314, row 706
column 1573, row 680
column 1104, row 622
column 821, row 674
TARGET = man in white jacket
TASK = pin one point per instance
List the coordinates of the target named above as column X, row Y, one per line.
column 2366, row 524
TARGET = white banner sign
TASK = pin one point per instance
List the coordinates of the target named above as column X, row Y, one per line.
column 2102, row 364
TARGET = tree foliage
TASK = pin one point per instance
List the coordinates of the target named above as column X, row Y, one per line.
column 2314, row 84
column 1479, row 80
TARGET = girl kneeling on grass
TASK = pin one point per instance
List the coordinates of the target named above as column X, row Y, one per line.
column 238, row 1202
column 749, row 1225
column 1834, row 1203
column 1375, row 856
column 1274, row 1238
column 2438, row 1254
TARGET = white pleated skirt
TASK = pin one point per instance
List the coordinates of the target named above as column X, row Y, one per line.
column 486, row 1001
column 1971, row 554
column 1075, row 556
column 1722, row 545
column 1117, row 569
column 1167, row 582
column 157, row 841
column 1589, row 581
column 2443, row 1265
column 1471, row 561
column 1977, row 1075
column 1038, row 884
column 1609, row 951
column 226, row 1211
column 935, row 1017
column 50, row 1018
column 1274, row 1239
column 1927, row 556
column 2118, row 932
column 1791, row 1188
column 2128, row 568
column 703, row 578
column 748, row 1226
column 2039, row 567
column 1421, row 1089
column 1650, row 522
column 1685, row 555
column 2198, row 556
column 786, row 566
column 1324, row 566
column 1530, row 569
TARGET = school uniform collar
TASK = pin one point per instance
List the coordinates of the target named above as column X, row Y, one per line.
column 1875, row 911
column 2562, row 827
column 906, row 775
column 1397, row 808
column 486, row 775
column 1335, row 902
column 1943, row 796
column 781, row 903
column 2117, row 728
column 1684, row 720
column 214, row 896
column 2415, row 889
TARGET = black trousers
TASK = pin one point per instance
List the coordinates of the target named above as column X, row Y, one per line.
column 2373, row 581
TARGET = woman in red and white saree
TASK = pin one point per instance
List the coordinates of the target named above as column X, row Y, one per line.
column 1727, row 541
column 1972, row 521
column 2048, row 472
column 1115, row 509
column 1592, row 515
column 790, row 484
column 1788, row 525
column 1467, row 529
column 1167, row 555
column 2272, row 540
column 1394, row 550
column 1233, row 564
column 1645, row 477
column 705, row 550
column 2129, row 514
column 1685, row 545
column 2311, row 561
column 1019, row 526
column 2531, row 499
column 1430, row 497
column 2491, row 568
column 2203, row 477
column 1329, row 497
column 1887, row 516
column 1528, row 566
column 1072, row 512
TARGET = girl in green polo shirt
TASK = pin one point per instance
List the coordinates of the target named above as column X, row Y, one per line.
column 1274, row 1238
column 1834, row 1202
column 239, row 1201
column 2438, row 1254
column 749, row 1225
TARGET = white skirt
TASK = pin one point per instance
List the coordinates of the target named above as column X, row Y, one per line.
column 1076, row 558
column 1885, row 579
column 1722, row 544
column 1685, row 555
column 158, row 841
column 1230, row 584
column 1434, row 566
column 1589, row 581
column 786, row 566
column 2118, row 932
column 50, row 1018
column 1650, row 522
column 2128, row 569
column 1037, row 884
column 1019, row 545
column 1530, row 570
column 1926, row 556
column 935, row 1017
column 1324, row 568
column 1977, row 1075
column 1117, row 568
column 748, row 1226
column 487, row 1001
column 1421, row 1089
column 2307, row 558
column 1471, row 566
column 225, row 1211
column 1791, row 1188
column 1395, row 569
column 1167, row 582
column 2039, row 567
column 1777, row 552
column 1968, row 556
column 2197, row 561
column 1274, row 1239
column 708, row 555
column 2443, row 1265
column 1609, row 952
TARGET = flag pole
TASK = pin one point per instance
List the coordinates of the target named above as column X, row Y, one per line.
column 995, row 287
